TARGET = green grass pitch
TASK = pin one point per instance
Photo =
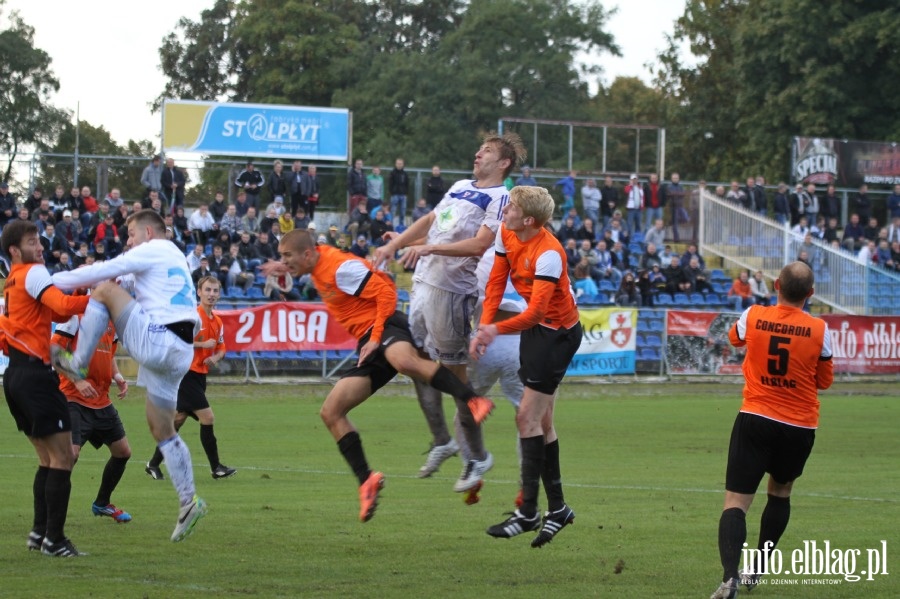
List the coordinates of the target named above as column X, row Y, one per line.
column 643, row 467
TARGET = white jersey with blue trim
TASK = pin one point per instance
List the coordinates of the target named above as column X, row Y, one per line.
column 162, row 284
column 459, row 216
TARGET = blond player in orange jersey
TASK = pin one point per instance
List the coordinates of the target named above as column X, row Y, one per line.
column 534, row 260
column 788, row 360
column 209, row 349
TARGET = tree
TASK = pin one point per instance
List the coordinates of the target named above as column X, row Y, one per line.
column 415, row 74
column 26, row 119
column 100, row 174
column 772, row 69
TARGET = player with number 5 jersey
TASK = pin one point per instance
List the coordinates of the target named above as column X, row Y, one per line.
column 157, row 328
column 788, row 360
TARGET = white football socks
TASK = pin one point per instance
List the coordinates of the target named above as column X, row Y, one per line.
column 93, row 325
column 181, row 471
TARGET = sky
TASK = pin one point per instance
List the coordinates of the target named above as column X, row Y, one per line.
column 105, row 53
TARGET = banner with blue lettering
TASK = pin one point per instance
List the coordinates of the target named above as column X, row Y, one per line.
column 245, row 130
column 608, row 345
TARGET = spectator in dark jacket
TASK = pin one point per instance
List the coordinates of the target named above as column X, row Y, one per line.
column 435, row 187
column 398, row 184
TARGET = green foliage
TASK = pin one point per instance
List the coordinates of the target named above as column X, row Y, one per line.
column 643, row 468
column 100, row 174
column 25, row 117
column 773, row 69
column 421, row 78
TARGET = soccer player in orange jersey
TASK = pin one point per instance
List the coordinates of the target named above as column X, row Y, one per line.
column 94, row 418
column 550, row 335
column 364, row 301
column 788, row 360
column 32, row 387
column 209, row 349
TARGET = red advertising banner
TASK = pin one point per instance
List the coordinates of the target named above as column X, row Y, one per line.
column 284, row 326
column 697, row 343
column 865, row 344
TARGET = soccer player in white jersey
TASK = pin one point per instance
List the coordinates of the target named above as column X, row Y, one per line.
column 157, row 328
column 456, row 234
column 500, row 362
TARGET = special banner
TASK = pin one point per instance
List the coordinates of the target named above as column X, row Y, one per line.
column 280, row 326
column 608, row 343
column 697, row 343
column 256, row 130
column 865, row 344
column 845, row 163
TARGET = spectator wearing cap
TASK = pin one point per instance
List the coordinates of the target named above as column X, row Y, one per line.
column 361, row 247
column 251, row 182
column 278, row 205
column 69, row 230
column 634, row 203
column 334, row 236
column 172, row 181
column 526, row 178
column 8, row 207
column 150, row 178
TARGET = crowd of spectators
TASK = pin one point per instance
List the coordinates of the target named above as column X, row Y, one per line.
column 618, row 241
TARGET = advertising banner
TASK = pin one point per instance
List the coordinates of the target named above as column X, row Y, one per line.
column 284, row 326
column 865, row 344
column 261, row 130
column 608, row 345
column 697, row 343
column 845, row 163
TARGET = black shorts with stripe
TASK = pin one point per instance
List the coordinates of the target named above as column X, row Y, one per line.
column 545, row 354
column 377, row 369
column 32, row 393
column 97, row 426
column 760, row 445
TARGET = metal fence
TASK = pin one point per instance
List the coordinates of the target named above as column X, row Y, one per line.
column 750, row 241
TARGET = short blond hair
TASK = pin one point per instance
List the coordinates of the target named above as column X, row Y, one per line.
column 535, row 202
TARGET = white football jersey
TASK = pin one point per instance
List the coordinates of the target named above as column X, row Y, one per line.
column 458, row 216
column 162, row 284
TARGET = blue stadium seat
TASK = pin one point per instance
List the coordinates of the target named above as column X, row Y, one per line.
column 649, row 353
column 697, row 299
column 718, row 274
column 635, row 248
column 255, row 293
column 713, row 299
column 653, row 341
column 269, row 355
column 311, row 355
column 681, row 299
column 658, row 326
column 402, row 295
column 592, row 300
column 637, row 237
column 663, row 299
column 607, row 285
column 235, row 355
